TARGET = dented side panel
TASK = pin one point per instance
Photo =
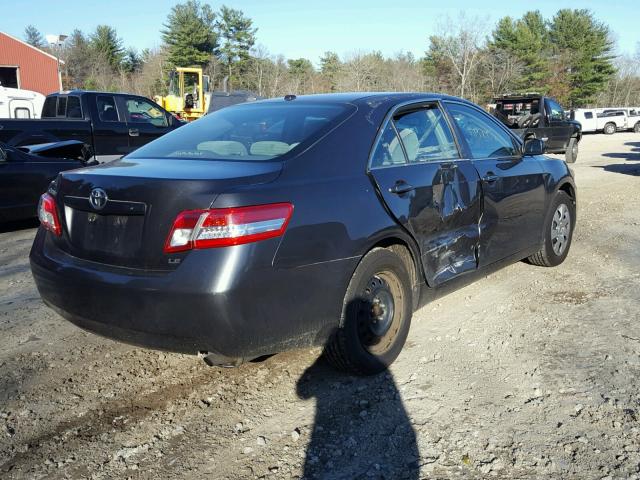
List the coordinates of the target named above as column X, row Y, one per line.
column 442, row 213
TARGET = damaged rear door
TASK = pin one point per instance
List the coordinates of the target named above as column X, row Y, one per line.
column 429, row 189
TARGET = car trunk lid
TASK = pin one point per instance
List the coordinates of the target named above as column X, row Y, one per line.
column 121, row 213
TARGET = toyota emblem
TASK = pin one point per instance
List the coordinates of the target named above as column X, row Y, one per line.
column 98, row 198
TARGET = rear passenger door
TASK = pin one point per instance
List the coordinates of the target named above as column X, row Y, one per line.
column 429, row 189
column 512, row 185
column 146, row 121
column 110, row 136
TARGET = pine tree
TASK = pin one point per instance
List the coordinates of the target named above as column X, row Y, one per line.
column 33, row 37
column 586, row 47
column 106, row 45
column 132, row 61
column 190, row 34
column 77, row 58
column 330, row 66
column 527, row 40
column 238, row 36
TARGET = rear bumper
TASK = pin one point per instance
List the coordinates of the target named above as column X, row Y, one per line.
column 222, row 301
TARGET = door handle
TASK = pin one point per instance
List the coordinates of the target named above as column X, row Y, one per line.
column 490, row 177
column 134, row 132
column 401, row 187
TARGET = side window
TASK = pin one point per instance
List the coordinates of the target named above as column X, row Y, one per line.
column 142, row 111
column 62, row 107
column 49, row 107
column 73, row 107
column 425, row 135
column 485, row 138
column 388, row 151
column 107, row 111
column 555, row 111
column 21, row 112
column 588, row 115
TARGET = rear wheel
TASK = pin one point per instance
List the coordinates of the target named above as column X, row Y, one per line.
column 376, row 314
column 636, row 127
column 571, row 154
column 558, row 232
column 609, row 128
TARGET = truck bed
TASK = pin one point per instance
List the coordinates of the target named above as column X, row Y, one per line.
column 19, row 132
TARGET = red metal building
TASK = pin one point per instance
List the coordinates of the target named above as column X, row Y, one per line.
column 24, row 66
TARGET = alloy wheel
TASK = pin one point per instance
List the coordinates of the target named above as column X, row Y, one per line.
column 560, row 229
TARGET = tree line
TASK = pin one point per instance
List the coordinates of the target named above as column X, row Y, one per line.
column 569, row 56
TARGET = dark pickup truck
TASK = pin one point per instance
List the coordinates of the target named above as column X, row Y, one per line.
column 112, row 124
column 535, row 115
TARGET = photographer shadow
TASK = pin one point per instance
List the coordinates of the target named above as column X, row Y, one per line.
column 361, row 428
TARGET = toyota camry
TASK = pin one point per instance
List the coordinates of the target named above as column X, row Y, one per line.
column 314, row 220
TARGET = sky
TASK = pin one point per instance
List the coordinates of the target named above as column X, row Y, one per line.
column 310, row 28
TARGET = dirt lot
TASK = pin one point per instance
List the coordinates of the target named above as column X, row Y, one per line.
column 529, row 373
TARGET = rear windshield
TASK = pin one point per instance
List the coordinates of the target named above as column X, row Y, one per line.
column 518, row 108
column 250, row 132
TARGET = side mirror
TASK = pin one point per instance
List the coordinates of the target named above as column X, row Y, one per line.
column 3, row 155
column 532, row 147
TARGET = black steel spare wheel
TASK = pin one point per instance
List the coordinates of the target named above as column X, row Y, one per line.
column 377, row 320
column 376, row 313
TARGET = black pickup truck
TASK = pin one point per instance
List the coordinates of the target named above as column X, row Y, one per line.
column 535, row 115
column 112, row 124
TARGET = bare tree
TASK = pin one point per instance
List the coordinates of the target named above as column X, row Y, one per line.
column 461, row 43
column 500, row 71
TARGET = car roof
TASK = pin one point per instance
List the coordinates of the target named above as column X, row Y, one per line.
column 362, row 97
column 95, row 92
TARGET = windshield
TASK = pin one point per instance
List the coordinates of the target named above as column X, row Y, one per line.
column 254, row 132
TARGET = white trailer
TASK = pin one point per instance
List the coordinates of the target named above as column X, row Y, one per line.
column 17, row 103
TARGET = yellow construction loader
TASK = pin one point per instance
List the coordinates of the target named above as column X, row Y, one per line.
column 189, row 94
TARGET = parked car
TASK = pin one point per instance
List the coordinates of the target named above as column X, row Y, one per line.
column 113, row 124
column 535, row 115
column 631, row 117
column 607, row 120
column 26, row 172
column 316, row 220
column 19, row 103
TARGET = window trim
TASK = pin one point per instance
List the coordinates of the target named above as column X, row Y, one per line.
column 415, row 104
column 518, row 141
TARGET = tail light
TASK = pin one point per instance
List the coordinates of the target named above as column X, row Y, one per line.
column 223, row 227
column 48, row 214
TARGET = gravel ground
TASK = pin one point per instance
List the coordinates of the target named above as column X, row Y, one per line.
column 528, row 373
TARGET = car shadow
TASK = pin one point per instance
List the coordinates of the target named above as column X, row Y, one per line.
column 361, row 428
column 17, row 225
column 633, row 154
column 632, row 169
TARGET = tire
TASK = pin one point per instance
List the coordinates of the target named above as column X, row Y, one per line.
column 558, row 232
column 571, row 155
column 609, row 128
column 636, row 127
column 376, row 314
